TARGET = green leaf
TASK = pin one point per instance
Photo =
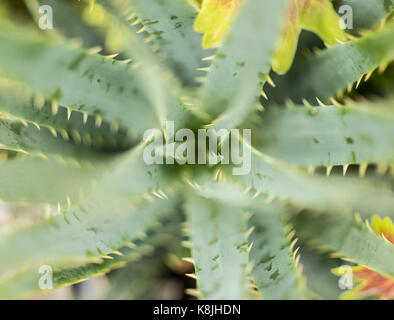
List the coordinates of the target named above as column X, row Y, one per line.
column 129, row 176
column 278, row 180
column 349, row 238
column 139, row 278
column 325, row 136
column 45, row 181
column 318, row 76
column 26, row 138
column 213, row 185
column 97, row 227
column 275, row 271
column 145, row 254
column 56, row 179
column 159, row 83
column 100, row 86
column 218, row 234
column 170, row 23
column 242, row 64
column 77, row 126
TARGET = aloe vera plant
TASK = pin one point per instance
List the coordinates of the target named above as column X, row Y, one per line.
column 319, row 194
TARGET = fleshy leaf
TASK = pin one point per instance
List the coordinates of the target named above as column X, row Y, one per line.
column 138, row 255
column 363, row 134
column 241, row 66
column 218, row 234
column 278, row 180
column 319, row 75
column 274, row 263
column 170, row 24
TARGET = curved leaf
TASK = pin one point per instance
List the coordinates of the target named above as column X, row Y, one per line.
column 275, row 269
column 96, row 227
column 76, row 126
column 160, row 86
column 318, row 75
column 326, row 136
column 25, row 138
column 140, row 254
column 74, row 78
column 367, row 14
column 242, row 64
column 45, row 181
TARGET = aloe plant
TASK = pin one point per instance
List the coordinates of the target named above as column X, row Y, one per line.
column 72, row 129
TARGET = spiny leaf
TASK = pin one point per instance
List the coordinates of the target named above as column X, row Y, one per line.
column 242, row 64
column 38, row 180
column 140, row 253
column 74, row 78
column 67, row 21
column 349, row 238
column 139, row 277
column 371, row 283
column 26, row 138
column 170, row 24
column 328, row 136
column 96, row 226
column 160, row 86
column 130, row 176
column 218, row 234
column 217, row 16
column 274, row 265
column 318, row 75
column 278, row 180
column 216, row 185
column 76, row 126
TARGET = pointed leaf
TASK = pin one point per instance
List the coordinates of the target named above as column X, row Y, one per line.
column 275, row 271
column 170, row 24
column 218, row 234
column 242, row 64
column 318, row 75
column 77, row 79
